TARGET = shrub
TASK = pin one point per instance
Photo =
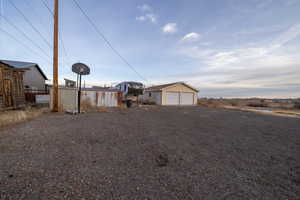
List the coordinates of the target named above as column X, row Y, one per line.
column 233, row 103
column 210, row 103
column 257, row 105
column 149, row 102
column 297, row 105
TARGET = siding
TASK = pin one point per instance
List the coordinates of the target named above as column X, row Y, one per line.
column 11, row 87
column 1, row 102
column 178, row 88
column 100, row 98
column 67, row 99
column 33, row 78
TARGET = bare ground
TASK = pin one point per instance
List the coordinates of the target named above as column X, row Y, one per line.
column 152, row 153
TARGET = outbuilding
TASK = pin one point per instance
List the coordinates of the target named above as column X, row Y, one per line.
column 178, row 93
column 11, row 86
column 34, row 78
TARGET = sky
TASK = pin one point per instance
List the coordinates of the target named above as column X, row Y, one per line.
column 224, row 48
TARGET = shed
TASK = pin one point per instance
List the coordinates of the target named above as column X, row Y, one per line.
column 34, row 78
column 11, row 86
column 90, row 98
column 178, row 93
column 106, row 97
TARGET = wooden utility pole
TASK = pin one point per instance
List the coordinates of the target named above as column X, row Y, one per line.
column 55, row 59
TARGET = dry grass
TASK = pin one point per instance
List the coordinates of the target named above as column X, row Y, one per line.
column 16, row 116
column 288, row 112
column 278, row 109
column 210, row 103
column 279, row 112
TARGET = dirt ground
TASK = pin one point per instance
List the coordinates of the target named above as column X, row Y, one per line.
column 152, row 153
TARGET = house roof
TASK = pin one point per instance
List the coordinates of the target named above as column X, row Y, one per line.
column 22, row 65
column 160, row 87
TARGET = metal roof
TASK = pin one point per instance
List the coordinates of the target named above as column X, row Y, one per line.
column 160, row 87
column 18, row 64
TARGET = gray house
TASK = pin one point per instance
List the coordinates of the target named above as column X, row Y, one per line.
column 34, row 78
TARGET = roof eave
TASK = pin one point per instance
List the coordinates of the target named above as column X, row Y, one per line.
column 40, row 70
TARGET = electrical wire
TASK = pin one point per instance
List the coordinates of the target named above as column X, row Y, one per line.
column 23, row 44
column 32, row 26
column 108, row 42
column 24, row 34
column 60, row 34
column 46, row 5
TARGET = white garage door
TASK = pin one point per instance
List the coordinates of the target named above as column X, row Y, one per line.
column 172, row 98
column 186, row 98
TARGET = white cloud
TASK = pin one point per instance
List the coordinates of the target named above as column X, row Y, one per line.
column 290, row 34
column 141, row 18
column 148, row 17
column 234, row 57
column 145, row 8
column 270, row 69
column 170, row 28
column 152, row 18
column 191, row 37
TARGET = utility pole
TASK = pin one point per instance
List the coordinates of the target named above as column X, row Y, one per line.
column 55, row 59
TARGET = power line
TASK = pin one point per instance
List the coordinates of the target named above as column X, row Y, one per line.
column 32, row 26
column 24, row 34
column 23, row 44
column 46, row 5
column 107, row 41
column 29, row 4
column 60, row 35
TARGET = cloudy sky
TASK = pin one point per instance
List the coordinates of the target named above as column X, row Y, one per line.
column 228, row 48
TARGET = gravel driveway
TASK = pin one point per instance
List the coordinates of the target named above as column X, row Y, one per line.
column 152, row 153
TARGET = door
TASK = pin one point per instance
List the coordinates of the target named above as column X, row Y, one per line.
column 186, row 98
column 172, row 98
column 8, row 99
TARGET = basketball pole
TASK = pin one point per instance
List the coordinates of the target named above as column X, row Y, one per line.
column 79, row 94
column 55, row 58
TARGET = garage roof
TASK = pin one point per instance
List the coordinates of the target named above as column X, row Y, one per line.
column 160, row 87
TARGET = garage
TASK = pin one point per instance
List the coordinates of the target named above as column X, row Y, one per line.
column 172, row 98
column 178, row 94
column 186, row 98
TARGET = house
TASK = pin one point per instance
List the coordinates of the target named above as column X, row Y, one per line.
column 178, row 93
column 34, row 77
column 11, row 86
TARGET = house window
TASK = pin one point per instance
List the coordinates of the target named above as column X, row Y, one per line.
column 150, row 94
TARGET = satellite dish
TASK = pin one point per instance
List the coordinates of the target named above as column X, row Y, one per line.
column 81, row 69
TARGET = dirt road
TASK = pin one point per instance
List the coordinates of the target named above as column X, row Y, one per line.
column 152, row 153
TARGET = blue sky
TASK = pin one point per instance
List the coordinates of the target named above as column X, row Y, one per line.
column 225, row 48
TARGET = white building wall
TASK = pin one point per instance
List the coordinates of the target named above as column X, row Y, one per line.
column 68, row 98
column 34, row 79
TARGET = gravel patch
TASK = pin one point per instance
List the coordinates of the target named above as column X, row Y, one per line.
column 152, row 153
